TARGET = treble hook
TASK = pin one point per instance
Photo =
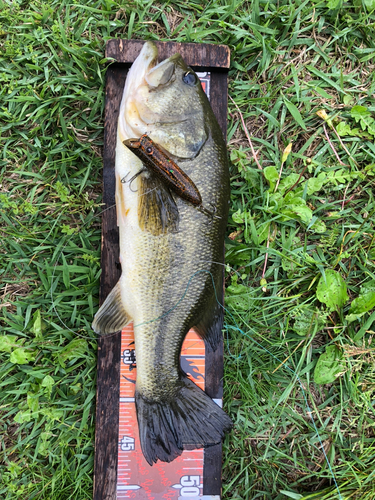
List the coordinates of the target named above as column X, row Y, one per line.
column 123, row 180
column 205, row 211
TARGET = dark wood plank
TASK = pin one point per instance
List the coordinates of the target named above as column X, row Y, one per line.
column 208, row 57
column 219, row 98
column 107, row 417
column 214, row 367
column 109, row 348
column 115, row 80
column 200, row 55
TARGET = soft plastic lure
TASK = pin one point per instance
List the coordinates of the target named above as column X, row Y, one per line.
column 157, row 160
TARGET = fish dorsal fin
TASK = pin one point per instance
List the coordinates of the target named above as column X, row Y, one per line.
column 157, row 210
column 111, row 316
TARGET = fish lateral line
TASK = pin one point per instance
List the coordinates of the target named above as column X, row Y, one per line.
column 156, row 159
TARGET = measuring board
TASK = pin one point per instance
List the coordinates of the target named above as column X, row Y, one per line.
column 120, row 468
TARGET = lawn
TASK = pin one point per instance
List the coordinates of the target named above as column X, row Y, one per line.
column 300, row 251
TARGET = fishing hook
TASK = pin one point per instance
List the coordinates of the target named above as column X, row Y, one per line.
column 123, row 180
column 205, row 211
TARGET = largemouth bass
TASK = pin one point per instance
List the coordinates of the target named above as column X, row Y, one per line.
column 171, row 253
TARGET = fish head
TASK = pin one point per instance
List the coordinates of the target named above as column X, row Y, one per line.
column 165, row 101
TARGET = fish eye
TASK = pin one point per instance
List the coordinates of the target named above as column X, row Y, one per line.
column 190, row 78
column 149, row 150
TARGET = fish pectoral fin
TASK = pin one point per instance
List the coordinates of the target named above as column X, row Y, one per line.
column 111, row 316
column 210, row 326
column 157, row 210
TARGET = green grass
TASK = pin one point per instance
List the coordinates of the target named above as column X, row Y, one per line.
column 290, row 59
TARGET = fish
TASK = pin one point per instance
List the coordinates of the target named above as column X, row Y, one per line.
column 171, row 252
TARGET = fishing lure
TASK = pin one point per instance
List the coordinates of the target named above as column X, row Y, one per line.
column 156, row 159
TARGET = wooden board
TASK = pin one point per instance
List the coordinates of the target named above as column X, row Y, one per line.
column 202, row 57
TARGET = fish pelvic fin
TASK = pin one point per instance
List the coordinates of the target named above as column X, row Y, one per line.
column 111, row 316
column 157, row 210
column 188, row 420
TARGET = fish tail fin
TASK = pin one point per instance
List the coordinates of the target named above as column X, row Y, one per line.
column 187, row 420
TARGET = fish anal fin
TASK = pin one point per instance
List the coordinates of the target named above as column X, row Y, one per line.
column 157, row 210
column 210, row 325
column 111, row 316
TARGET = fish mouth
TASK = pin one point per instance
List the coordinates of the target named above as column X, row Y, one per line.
column 157, row 102
column 161, row 74
column 145, row 76
column 143, row 64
